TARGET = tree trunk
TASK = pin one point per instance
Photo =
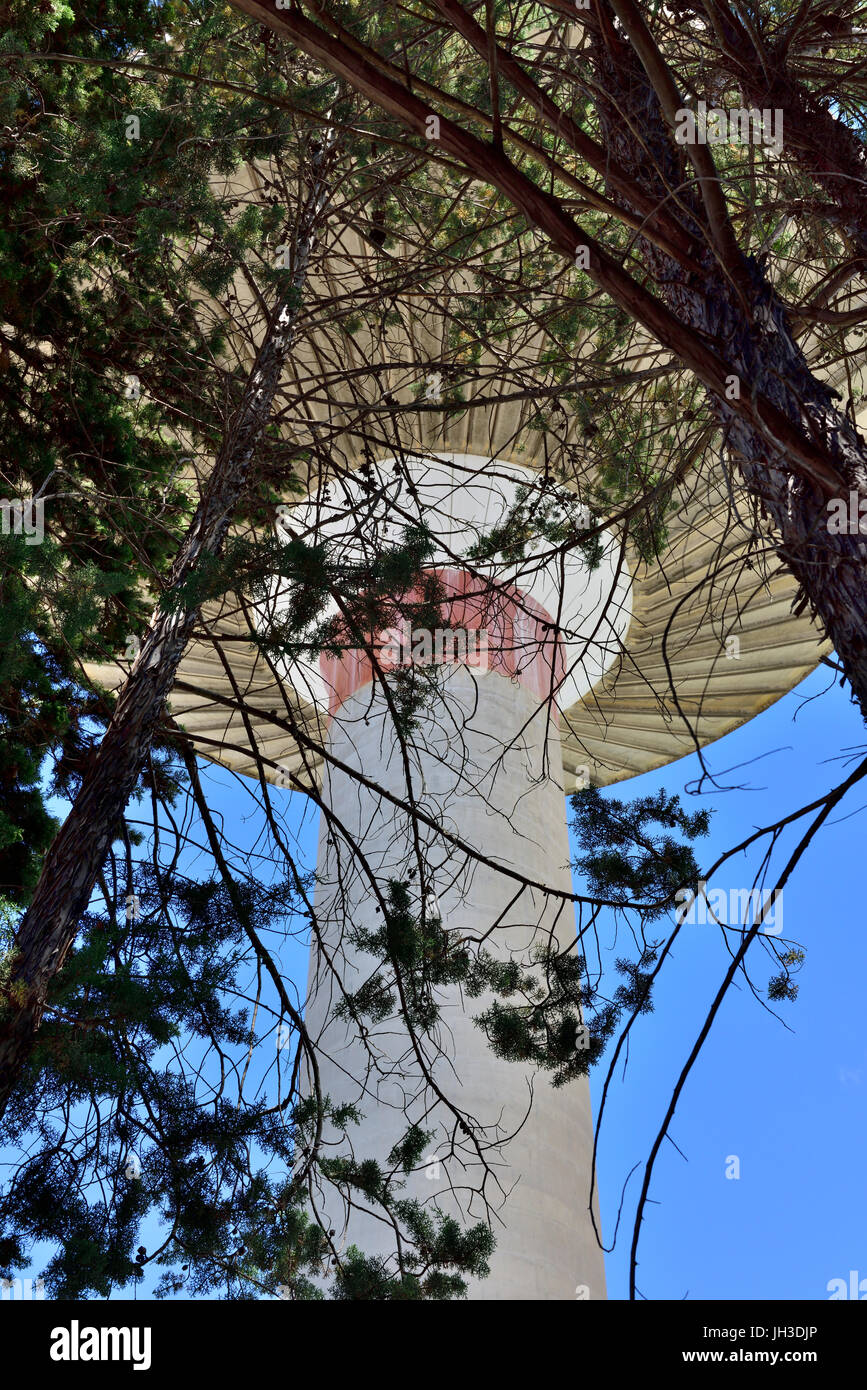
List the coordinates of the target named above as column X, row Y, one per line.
column 751, row 332
column 48, row 928
column 829, row 152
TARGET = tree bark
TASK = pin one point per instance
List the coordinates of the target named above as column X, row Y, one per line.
column 76, row 856
column 753, row 335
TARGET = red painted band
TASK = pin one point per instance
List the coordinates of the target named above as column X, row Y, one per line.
column 501, row 630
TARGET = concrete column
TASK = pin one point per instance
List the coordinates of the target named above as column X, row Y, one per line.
column 485, row 763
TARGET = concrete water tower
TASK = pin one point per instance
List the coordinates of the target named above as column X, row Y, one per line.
column 543, row 676
column 476, row 831
column 547, row 676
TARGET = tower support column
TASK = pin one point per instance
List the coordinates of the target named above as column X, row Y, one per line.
column 484, row 764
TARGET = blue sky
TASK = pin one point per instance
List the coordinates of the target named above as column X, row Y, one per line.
column 784, row 1097
column 788, row 1101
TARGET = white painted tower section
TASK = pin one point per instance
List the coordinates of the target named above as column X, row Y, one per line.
column 484, row 766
